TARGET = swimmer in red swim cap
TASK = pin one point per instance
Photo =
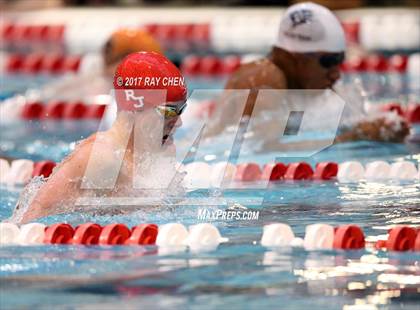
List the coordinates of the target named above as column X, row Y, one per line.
column 307, row 54
column 151, row 95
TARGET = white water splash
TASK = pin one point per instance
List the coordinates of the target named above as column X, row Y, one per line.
column 26, row 198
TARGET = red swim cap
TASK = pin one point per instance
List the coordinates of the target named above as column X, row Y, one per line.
column 147, row 79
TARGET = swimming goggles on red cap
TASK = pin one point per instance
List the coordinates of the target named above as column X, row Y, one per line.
column 171, row 110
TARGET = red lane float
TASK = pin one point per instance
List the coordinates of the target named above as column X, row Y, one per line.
column 349, row 237
column 14, row 63
column 144, row 234
column 273, row 172
column 114, row 234
column 22, row 33
column 43, row 168
column 413, row 113
column 95, row 111
column 376, row 63
column 191, row 65
column 181, row 35
column 248, row 172
column 400, row 238
column 46, row 63
column 345, row 237
column 71, row 64
column 393, row 107
column 210, row 65
column 231, row 64
column 53, row 63
column 398, row 63
column 278, row 171
column 74, row 110
column 184, row 33
column 87, row 234
column 351, row 30
column 32, row 63
column 95, row 234
column 299, row 171
column 325, row 171
column 417, row 242
column 58, row 109
column 55, row 33
column 355, row 65
column 32, row 110
column 54, row 110
column 59, row 234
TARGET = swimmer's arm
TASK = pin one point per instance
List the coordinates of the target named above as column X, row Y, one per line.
column 58, row 189
column 380, row 129
column 299, row 146
column 63, row 186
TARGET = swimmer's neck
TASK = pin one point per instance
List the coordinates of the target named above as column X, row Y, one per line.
column 285, row 62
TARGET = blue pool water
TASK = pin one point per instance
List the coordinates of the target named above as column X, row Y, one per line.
column 240, row 274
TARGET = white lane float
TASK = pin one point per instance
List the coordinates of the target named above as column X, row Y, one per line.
column 31, row 234
column 377, row 171
column 204, row 237
column 197, row 175
column 222, row 172
column 20, row 171
column 350, row 171
column 403, row 171
column 277, row 235
column 8, row 233
column 172, row 235
column 318, row 236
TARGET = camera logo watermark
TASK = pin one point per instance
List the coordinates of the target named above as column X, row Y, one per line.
column 276, row 116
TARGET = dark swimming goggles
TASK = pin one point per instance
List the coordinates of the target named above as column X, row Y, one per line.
column 171, row 110
column 328, row 60
column 331, row 60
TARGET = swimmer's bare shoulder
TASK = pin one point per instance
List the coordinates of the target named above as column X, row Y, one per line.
column 262, row 73
column 253, row 76
column 63, row 186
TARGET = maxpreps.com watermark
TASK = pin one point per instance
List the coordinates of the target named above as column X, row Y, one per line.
column 204, row 214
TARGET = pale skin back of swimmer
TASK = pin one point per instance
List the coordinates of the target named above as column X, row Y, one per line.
column 63, row 187
column 284, row 70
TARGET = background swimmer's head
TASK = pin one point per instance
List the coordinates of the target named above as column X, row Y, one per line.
column 312, row 40
column 124, row 42
column 150, row 90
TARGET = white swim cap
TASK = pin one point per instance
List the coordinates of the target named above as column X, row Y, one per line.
column 309, row 27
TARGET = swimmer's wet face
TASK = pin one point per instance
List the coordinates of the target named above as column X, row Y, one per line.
column 171, row 113
column 318, row 70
